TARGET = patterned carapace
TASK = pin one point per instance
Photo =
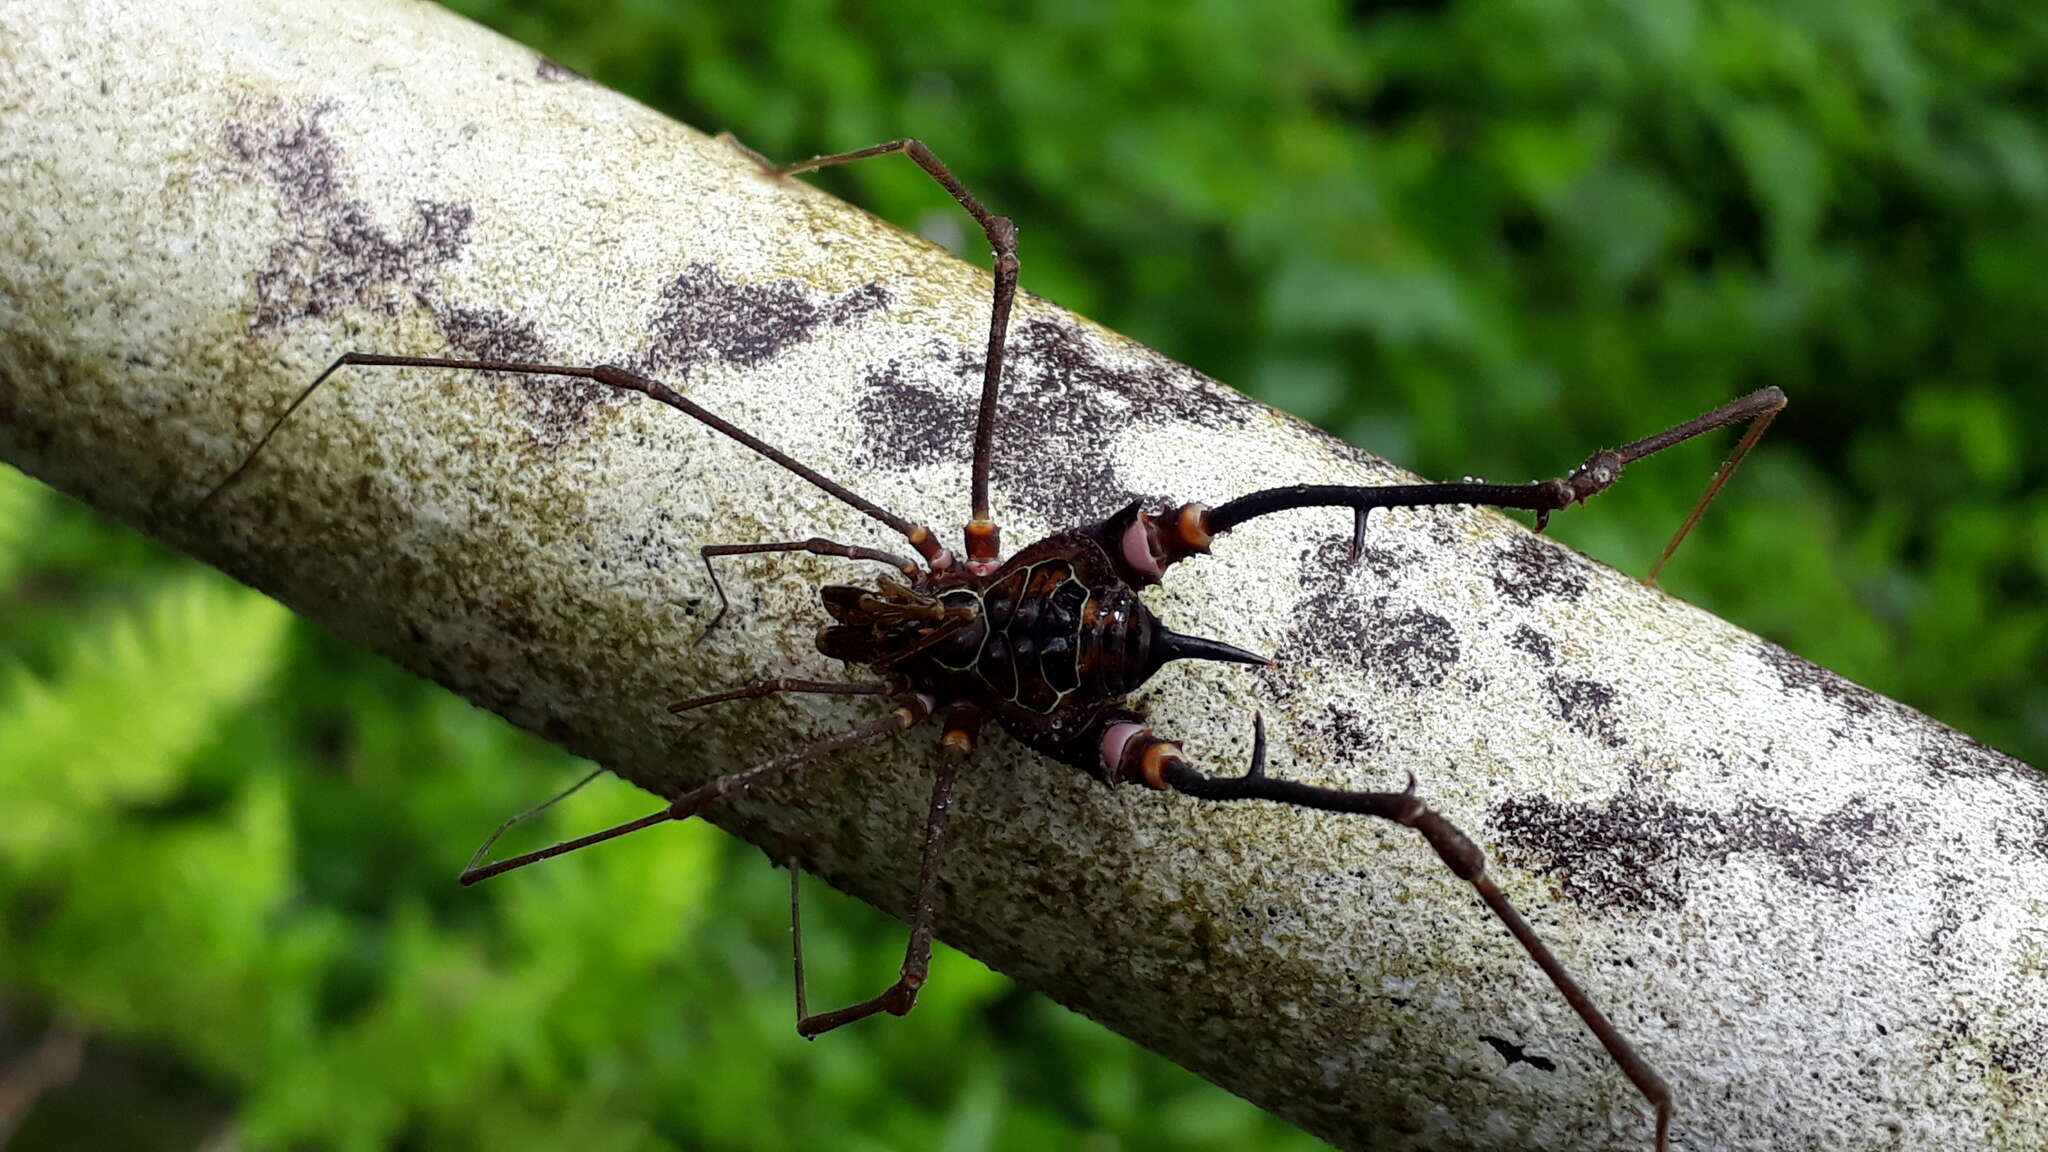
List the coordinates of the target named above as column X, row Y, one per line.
column 1051, row 643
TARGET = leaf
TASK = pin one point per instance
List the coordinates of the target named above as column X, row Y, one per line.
column 156, row 926
column 126, row 709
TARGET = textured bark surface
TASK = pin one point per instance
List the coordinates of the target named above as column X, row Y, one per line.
column 1823, row 915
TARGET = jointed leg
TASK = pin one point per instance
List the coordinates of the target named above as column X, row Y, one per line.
column 796, row 938
column 610, row 376
column 697, row 799
column 917, row 957
column 816, row 545
column 779, row 685
column 984, row 541
column 523, row 817
column 1596, row 475
column 1465, row 860
column 1765, row 406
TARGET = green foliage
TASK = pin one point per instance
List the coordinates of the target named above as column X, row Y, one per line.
column 1478, row 237
column 116, row 723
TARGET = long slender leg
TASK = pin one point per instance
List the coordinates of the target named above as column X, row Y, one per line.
column 781, row 684
column 485, row 848
column 917, row 957
column 1596, row 475
column 984, row 539
column 696, row 800
column 1465, row 860
column 1721, row 475
column 610, row 376
column 816, row 545
column 796, row 938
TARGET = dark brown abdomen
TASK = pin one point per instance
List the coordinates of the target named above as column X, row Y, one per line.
column 1048, row 635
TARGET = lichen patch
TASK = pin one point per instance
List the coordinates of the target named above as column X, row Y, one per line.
column 1528, row 568
column 335, row 258
column 1536, row 644
column 1067, row 398
column 702, row 317
column 1632, row 852
column 1586, row 705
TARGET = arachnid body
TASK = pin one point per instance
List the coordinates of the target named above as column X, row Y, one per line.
column 1050, row 643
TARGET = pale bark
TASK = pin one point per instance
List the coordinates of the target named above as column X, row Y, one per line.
column 1820, row 913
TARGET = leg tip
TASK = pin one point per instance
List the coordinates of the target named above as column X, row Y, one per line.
column 733, row 142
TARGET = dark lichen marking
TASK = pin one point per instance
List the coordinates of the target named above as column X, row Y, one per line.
column 1328, row 565
column 491, row 334
column 1586, row 705
column 297, row 156
column 1413, row 648
column 1417, row 648
column 908, row 424
column 1528, row 567
column 1383, row 563
column 1342, row 619
column 1327, row 626
column 1797, row 673
column 1950, row 754
column 336, row 258
column 1065, row 404
column 1944, row 752
column 1630, row 853
column 1949, row 919
column 1348, row 734
column 1515, row 1054
column 2024, row 1055
column 2021, row 1054
column 1326, row 569
column 1535, row 643
column 703, row 318
column 555, row 409
column 2022, row 830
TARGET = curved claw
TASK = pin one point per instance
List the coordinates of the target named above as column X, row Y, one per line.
column 1358, row 532
column 736, row 144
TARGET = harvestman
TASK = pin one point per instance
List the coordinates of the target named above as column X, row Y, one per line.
column 1052, row 642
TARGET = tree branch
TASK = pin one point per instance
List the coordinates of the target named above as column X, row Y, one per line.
column 1819, row 913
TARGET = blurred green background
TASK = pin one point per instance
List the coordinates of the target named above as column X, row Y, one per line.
column 1477, row 237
